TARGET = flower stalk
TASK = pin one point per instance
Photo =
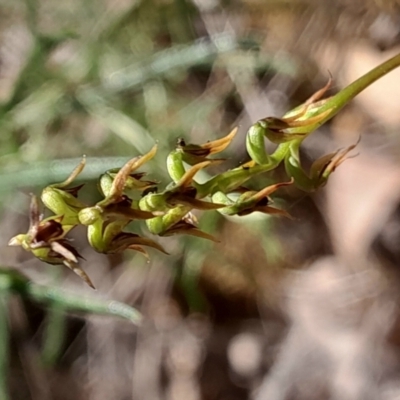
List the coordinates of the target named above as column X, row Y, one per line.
column 130, row 199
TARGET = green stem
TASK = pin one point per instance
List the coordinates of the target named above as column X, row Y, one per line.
column 339, row 100
column 4, row 336
column 73, row 302
column 234, row 178
column 55, row 335
column 55, row 328
column 332, row 105
column 67, row 301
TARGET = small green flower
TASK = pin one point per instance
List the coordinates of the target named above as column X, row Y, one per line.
column 188, row 226
column 320, row 170
column 133, row 182
column 251, row 201
column 63, row 201
column 125, row 179
column 295, row 124
column 175, row 203
column 197, row 153
column 108, row 237
column 193, row 154
column 181, row 193
column 107, row 219
column 45, row 239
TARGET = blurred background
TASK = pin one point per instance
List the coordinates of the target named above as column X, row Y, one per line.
column 278, row 309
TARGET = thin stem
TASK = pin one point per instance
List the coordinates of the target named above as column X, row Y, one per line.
column 339, row 100
column 234, row 178
column 334, row 104
column 54, row 341
column 68, row 301
column 55, row 329
column 4, row 337
column 73, row 302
